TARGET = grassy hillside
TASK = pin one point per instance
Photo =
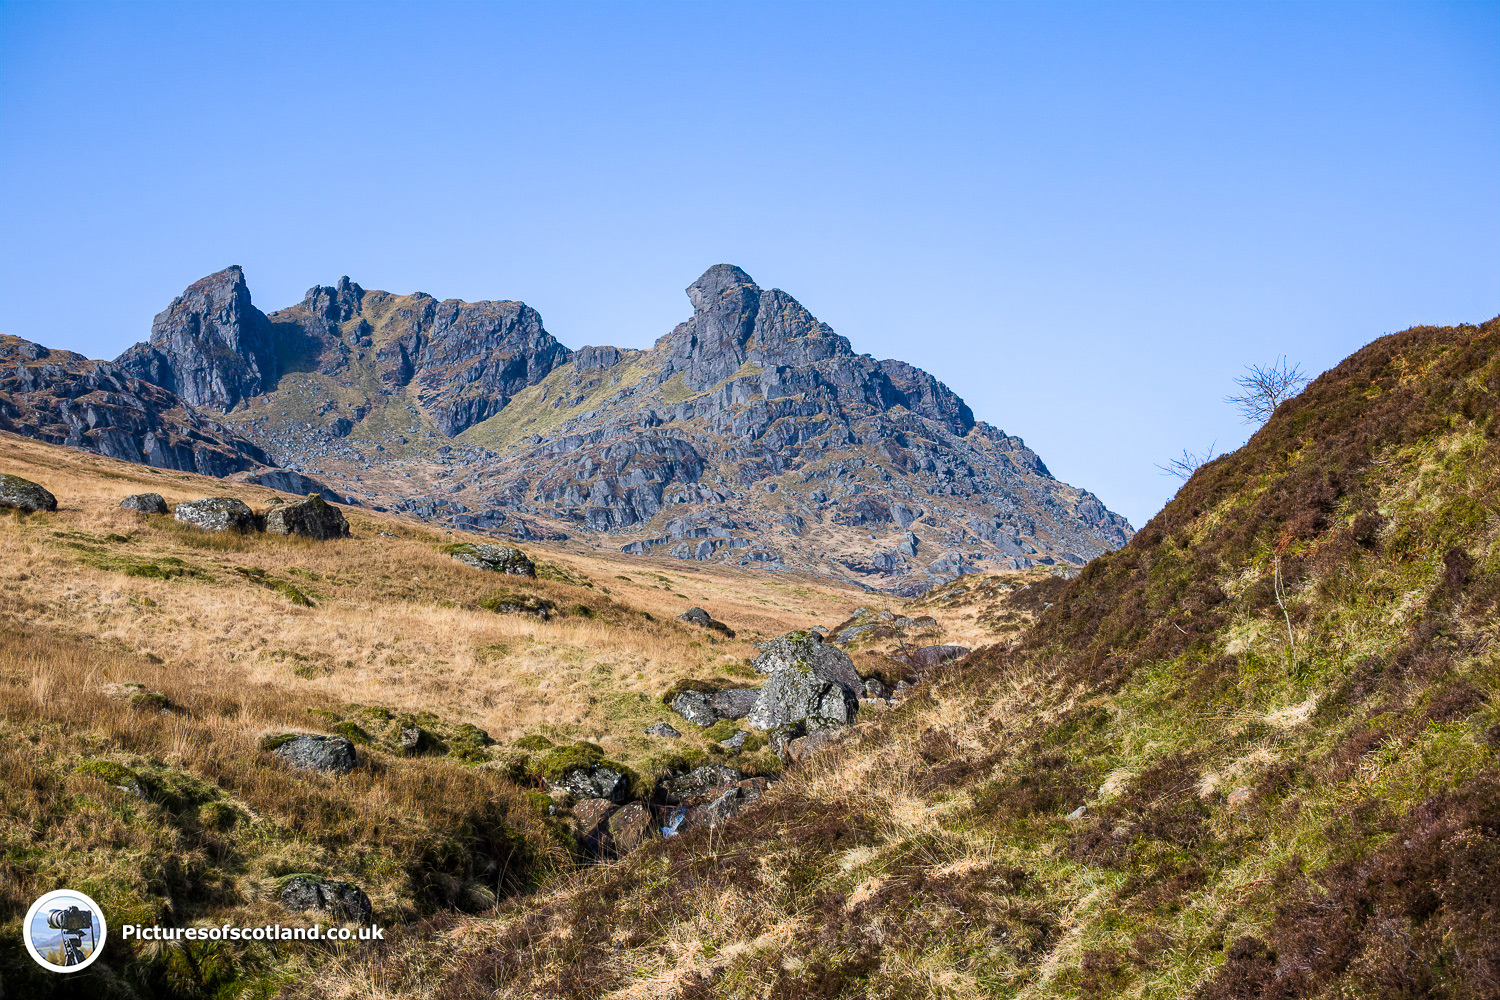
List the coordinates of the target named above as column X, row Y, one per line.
column 1254, row 753
column 143, row 665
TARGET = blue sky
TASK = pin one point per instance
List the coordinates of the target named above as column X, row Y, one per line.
column 1084, row 218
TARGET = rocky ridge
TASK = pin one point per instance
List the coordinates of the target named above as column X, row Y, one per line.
column 752, row 433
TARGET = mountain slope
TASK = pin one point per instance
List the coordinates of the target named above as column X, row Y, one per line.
column 750, row 433
column 1253, row 753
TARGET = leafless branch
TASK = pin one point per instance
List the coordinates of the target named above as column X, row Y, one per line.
column 1267, row 387
column 1184, row 467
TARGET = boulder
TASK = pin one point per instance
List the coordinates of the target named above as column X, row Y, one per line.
column 595, row 781
column 810, row 683
column 309, row 751
column 733, row 703
column 803, row 747
column 344, row 901
column 801, row 649
column 216, row 514
column 931, row 656
column 664, row 730
column 24, row 495
column 590, row 824
column 145, row 503
column 630, row 827
column 696, row 707
column 736, row 741
column 699, row 785
column 874, row 688
column 496, row 558
column 697, row 616
column 724, row 806
column 311, row 518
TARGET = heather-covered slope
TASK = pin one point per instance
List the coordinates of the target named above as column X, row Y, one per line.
column 1254, row 753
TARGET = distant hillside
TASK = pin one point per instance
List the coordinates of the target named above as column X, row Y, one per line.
column 1254, row 753
column 750, row 433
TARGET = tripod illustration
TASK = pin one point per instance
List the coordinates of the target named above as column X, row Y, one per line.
column 73, row 921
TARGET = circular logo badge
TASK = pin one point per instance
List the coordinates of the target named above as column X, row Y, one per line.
column 64, row 931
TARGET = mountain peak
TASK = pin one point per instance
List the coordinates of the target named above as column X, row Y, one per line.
column 715, row 282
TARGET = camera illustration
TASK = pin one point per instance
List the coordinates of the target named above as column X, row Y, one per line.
column 73, row 921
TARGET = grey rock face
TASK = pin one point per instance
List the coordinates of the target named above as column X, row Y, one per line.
column 145, row 503
column 736, row 741
column 216, row 514
column 310, row 518
column 496, row 558
column 211, row 346
column 330, row 754
column 695, row 707
column 733, row 703
column 24, row 495
column 800, row 650
column 664, row 730
column 344, row 901
column 595, row 781
column 64, row 398
column 808, row 693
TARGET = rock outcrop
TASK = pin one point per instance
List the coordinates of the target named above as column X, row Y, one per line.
column 64, row 398
column 24, row 495
column 211, row 346
column 313, row 752
column 495, row 558
column 310, row 518
column 145, row 503
column 343, row 901
column 216, row 514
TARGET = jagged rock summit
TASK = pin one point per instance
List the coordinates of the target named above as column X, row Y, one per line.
column 750, row 433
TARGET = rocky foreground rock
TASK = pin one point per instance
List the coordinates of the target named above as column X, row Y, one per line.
column 495, row 558
column 343, row 901
column 314, row 752
column 216, row 514
column 145, row 503
column 24, row 495
column 310, row 518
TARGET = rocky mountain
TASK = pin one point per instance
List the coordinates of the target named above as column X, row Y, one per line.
column 97, row 406
column 752, row 432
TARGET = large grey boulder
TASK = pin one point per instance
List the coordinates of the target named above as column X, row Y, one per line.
column 696, row 707
column 216, row 514
column 311, row 518
column 733, row 703
column 807, row 693
column 807, row 649
column 496, row 558
column 145, row 503
column 344, row 901
column 24, row 495
column 595, row 781
column 312, row 752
